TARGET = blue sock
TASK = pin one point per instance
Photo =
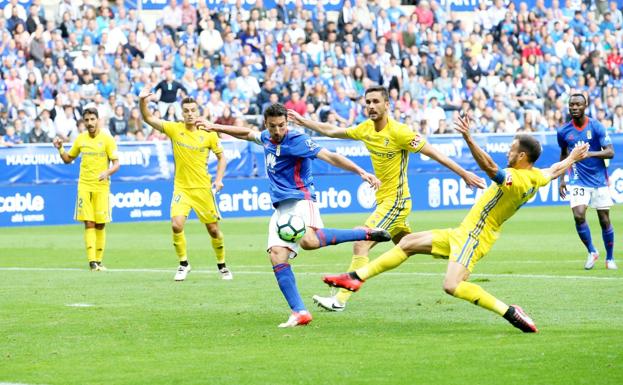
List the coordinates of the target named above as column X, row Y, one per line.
column 287, row 285
column 585, row 235
column 334, row 236
column 608, row 236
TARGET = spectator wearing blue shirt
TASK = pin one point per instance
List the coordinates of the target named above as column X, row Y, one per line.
column 373, row 70
column 343, row 106
column 104, row 86
column 607, row 24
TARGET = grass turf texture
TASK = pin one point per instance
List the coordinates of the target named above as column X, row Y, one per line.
column 144, row 328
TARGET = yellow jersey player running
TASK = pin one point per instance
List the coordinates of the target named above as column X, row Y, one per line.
column 192, row 186
column 389, row 143
column 465, row 245
column 98, row 151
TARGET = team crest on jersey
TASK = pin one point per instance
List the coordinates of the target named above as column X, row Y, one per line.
column 589, row 135
column 201, row 138
column 386, row 142
column 570, row 137
column 311, row 144
column 509, row 180
column 271, row 160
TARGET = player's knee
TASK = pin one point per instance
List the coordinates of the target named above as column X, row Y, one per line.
column 177, row 227
column 411, row 243
column 309, row 243
column 449, row 286
column 579, row 218
column 277, row 256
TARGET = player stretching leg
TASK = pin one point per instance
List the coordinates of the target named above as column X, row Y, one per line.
column 193, row 187
column 289, row 156
column 92, row 206
column 465, row 245
column 389, row 143
column 588, row 179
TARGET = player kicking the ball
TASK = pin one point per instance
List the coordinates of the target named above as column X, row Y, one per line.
column 465, row 245
column 289, row 156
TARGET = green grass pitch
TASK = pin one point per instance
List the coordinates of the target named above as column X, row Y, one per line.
column 143, row 328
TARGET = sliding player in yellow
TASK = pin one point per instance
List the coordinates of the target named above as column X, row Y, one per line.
column 465, row 245
column 193, row 188
column 98, row 151
column 389, row 143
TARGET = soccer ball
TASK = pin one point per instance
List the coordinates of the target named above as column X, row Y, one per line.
column 290, row 228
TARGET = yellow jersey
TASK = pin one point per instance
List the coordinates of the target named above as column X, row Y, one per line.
column 389, row 150
column 190, row 152
column 511, row 190
column 96, row 153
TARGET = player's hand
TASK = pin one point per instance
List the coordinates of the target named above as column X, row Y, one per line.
column 146, row 94
column 57, row 142
column 374, row 182
column 217, row 186
column 474, row 181
column 461, row 124
column 103, row 176
column 579, row 152
column 295, row 117
column 562, row 189
column 203, row 124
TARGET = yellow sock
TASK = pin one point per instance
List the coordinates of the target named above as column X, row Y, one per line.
column 478, row 296
column 89, row 243
column 358, row 261
column 386, row 261
column 179, row 242
column 218, row 244
column 100, row 244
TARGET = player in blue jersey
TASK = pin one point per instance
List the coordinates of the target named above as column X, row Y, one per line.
column 289, row 156
column 588, row 179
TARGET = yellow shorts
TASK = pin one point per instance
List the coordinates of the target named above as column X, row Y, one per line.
column 93, row 206
column 459, row 246
column 391, row 215
column 199, row 199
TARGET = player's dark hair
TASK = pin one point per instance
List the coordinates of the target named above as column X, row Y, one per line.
column 91, row 110
column 380, row 89
column 530, row 145
column 188, row 100
column 276, row 109
column 580, row 95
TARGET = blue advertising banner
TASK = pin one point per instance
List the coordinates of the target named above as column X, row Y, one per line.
column 144, row 201
column 140, row 161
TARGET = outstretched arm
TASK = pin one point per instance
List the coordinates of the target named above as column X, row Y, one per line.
column 557, row 169
column 144, row 97
column 484, row 161
column 344, row 163
column 471, row 179
column 243, row 133
column 321, row 128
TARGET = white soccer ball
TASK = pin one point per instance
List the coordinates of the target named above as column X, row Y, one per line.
column 290, row 227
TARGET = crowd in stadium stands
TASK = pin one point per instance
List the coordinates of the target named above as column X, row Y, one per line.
column 514, row 67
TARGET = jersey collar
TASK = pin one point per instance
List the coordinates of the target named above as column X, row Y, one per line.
column 583, row 124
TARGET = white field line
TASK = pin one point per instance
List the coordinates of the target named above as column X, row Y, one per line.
column 12, row 383
column 417, row 274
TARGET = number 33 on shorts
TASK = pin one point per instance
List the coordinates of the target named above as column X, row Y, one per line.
column 596, row 197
